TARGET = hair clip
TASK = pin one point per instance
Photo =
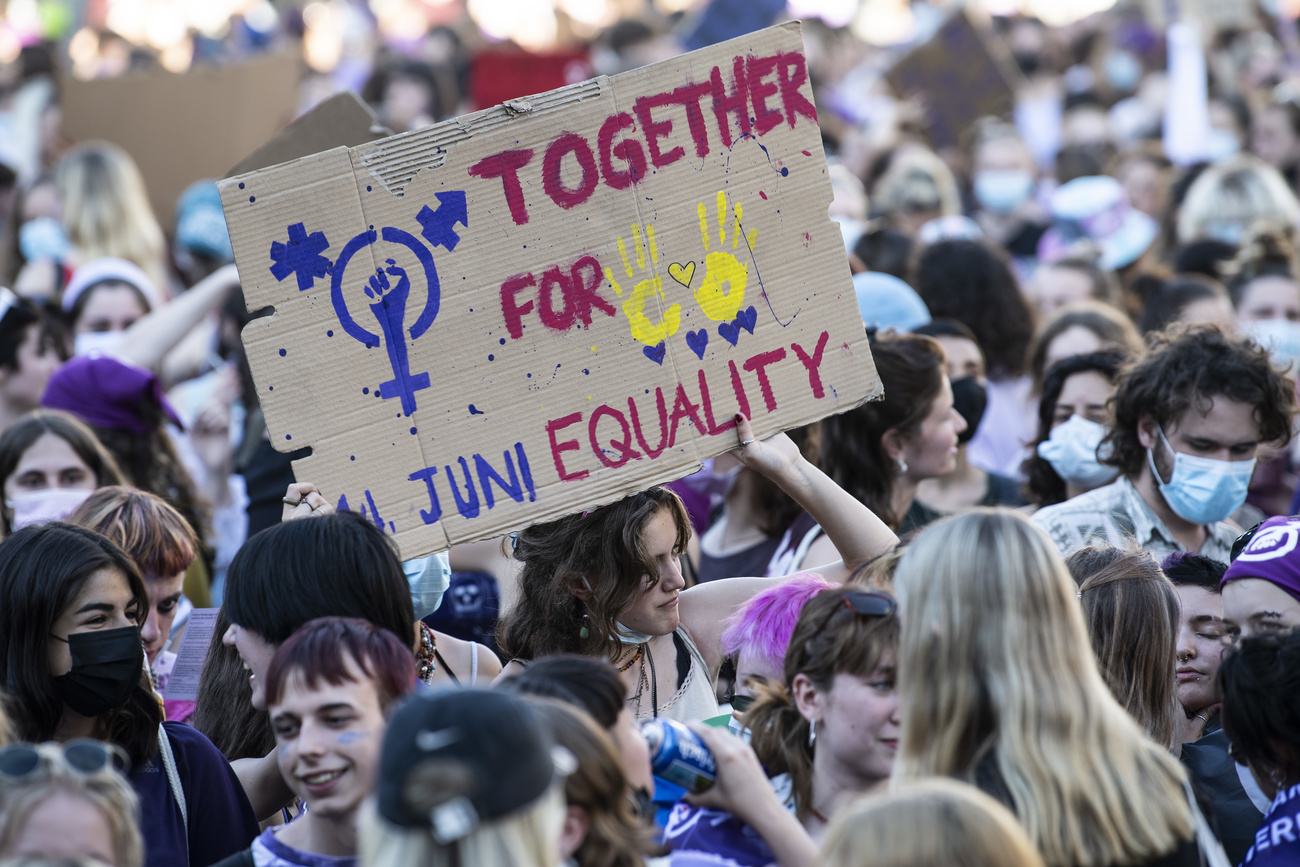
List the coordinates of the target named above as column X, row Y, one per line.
column 514, row 540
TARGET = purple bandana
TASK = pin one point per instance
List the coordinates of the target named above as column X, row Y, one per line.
column 104, row 392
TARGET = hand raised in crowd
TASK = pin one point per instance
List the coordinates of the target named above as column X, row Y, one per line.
column 304, row 500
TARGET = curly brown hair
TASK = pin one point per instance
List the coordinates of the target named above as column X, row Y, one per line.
column 603, row 553
column 1187, row 367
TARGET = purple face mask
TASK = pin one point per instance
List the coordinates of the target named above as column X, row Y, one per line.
column 41, row 507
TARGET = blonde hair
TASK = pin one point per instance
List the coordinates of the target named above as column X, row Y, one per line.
column 107, row 790
column 917, row 180
column 528, row 838
column 996, row 673
column 1241, row 190
column 897, row 827
column 106, row 209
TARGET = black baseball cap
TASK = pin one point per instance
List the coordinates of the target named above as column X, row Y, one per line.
column 488, row 752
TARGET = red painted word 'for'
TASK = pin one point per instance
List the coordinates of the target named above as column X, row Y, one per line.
column 563, row 297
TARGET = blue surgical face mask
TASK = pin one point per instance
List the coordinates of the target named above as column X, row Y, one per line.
column 1123, row 71
column 1003, row 191
column 43, row 238
column 1281, row 337
column 1221, row 144
column 429, row 579
column 1203, row 490
column 1072, row 451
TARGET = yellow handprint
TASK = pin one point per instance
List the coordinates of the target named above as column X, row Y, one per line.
column 722, row 291
column 649, row 289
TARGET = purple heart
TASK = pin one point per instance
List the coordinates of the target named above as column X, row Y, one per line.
column 729, row 331
column 655, row 353
column 697, row 341
column 747, row 318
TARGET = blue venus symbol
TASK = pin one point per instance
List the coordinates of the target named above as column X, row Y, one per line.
column 389, row 287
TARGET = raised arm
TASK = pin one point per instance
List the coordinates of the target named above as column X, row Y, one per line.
column 154, row 335
column 856, row 532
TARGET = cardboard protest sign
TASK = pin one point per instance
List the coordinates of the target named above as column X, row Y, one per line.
column 180, row 128
column 520, row 313
column 341, row 120
column 962, row 74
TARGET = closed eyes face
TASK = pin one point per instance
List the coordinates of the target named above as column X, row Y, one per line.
column 1253, row 606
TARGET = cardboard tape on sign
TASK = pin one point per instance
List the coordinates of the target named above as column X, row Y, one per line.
column 521, row 313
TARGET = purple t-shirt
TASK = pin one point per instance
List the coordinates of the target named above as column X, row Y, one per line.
column 221, row 821
column 1277, row 842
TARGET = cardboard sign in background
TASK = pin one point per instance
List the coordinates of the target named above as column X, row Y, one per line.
column 963, row 73
column 524, row 312
column 166, row 121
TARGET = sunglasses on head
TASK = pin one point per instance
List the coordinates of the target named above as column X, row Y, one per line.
column 863, row 603
column 83, row 755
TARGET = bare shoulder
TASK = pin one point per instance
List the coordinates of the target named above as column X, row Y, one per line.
column 459, row 655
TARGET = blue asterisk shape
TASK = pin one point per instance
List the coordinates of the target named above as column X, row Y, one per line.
column 301, row 256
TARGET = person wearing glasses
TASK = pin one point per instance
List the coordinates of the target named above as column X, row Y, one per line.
column 71, row 609
column 832, row 722
column 1261, row 589
column 68, row 801
column 608, row 583
column 998, row 687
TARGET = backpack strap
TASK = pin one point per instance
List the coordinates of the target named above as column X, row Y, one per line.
column 174, row 783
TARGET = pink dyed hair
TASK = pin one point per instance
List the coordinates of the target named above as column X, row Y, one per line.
column 764, row 625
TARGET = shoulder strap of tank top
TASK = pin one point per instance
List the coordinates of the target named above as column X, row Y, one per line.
column 446, row 667
column 473, row 663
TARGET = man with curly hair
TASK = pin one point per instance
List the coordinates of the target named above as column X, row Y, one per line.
column 1188, row 421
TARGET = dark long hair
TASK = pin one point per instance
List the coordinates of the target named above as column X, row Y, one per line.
column 42, row 569
column 911, row 369
column 1043, row 487
column 19, row 436
column 971, row 282
column 606, row 548
column 340, row 565
column 224, row 713
column 151, row 464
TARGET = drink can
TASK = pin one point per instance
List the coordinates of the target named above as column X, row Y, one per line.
column 678, row 755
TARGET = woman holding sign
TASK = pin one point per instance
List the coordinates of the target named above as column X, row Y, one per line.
column 609, row 583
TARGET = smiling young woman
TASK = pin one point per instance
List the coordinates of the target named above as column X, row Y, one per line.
column 71, row 608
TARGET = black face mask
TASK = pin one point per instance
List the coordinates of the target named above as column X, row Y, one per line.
column 106, row 667
column 1028, row 62
column 969, row 398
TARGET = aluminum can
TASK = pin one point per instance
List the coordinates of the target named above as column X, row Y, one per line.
column 678, row 755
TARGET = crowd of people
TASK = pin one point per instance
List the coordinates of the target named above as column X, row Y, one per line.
column 1037, row 605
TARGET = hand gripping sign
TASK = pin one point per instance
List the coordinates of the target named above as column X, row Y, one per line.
column 524, row 312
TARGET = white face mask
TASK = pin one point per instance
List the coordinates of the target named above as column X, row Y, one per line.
column 1072, row 451
column 97, row 343
column 1281, row 337
column 41, row 507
